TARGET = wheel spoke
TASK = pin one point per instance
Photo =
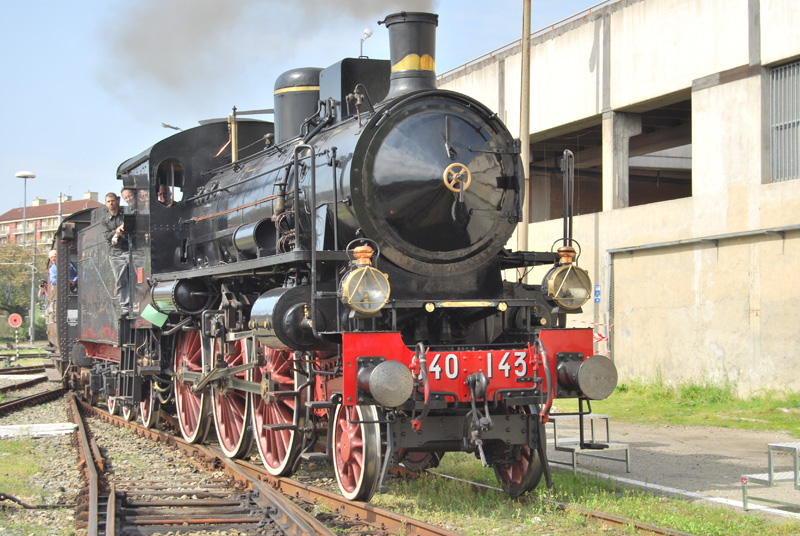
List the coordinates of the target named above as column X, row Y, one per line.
column 231, row 407
column 113, row 407
column 190, row 406
column 357, row 455
column 149, row 409
column 278, row 448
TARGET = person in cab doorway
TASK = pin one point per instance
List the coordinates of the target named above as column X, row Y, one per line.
column 117, row 239
column 164, row 196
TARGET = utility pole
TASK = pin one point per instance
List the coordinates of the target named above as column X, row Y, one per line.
column 525, row 126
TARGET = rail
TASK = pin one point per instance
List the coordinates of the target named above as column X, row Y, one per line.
column 24, row 384
column 89, row 469
column 286, row 515
column 7, row 406
column 22, row 356
column 513, row 44
column 20, row 371
column 362, row 512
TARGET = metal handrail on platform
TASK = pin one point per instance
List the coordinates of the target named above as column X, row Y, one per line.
column 771, row 477
column 592, row 449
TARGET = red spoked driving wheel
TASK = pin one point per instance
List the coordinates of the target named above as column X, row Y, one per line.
column 192, row 408
column 276, row 419
column 232, row 406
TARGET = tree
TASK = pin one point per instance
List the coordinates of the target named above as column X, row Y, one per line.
column 15, row 277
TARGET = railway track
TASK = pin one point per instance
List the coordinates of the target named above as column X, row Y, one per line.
column 39, row 355
column 13, row 404
column 153, row 505
column 14, row 371
column 349, row 514
column 143, row 507
column 358, row 513
column 22, row 384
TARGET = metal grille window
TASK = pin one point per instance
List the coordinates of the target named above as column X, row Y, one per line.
column 785, row 122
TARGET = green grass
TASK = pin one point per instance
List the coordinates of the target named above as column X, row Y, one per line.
column 704, row 404
column 18, row 462
column 456, row 506
column 24, row 361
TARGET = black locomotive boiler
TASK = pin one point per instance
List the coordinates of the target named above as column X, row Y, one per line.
column 337, row 284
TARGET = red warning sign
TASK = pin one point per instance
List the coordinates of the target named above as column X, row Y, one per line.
column 15, row 320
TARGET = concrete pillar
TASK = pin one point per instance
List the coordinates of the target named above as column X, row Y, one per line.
column 540, row 196
column 618, row 127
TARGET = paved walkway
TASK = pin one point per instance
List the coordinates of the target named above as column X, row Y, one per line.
column 695, row 462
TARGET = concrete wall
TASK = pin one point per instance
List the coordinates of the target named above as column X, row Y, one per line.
column 779, row 36
column 699, row 288
column 660, row 46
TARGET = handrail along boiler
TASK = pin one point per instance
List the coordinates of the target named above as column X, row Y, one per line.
column 334, row 281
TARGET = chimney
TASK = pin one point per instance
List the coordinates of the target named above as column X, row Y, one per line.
column 38, row 202
column 412, row 46
column 63, row 198
column 90, row 196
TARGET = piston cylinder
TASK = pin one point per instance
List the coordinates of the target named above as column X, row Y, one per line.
column 185, row 296
column 282, row 318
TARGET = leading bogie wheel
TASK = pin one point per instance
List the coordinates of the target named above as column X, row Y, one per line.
column 419, row 461
column 524, row 471
column 356, row 451
column 232, row 407
column 112, row 405
column 192, row 408
column 278, row 419
column 150, row 407
column 128, row 413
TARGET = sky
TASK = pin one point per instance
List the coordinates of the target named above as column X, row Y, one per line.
column 87, row 84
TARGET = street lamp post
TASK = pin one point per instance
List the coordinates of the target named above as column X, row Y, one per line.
column 25, row 175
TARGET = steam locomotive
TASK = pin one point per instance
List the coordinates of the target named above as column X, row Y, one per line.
column 335, row 284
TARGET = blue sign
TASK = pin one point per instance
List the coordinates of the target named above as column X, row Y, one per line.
column 597, row 294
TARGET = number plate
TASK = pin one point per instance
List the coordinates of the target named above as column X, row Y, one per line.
column 496, row 365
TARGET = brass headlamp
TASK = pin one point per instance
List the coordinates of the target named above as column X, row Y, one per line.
column 567, row 284
column 365, row 289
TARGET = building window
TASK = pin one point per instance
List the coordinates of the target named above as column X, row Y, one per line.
column 785, row 122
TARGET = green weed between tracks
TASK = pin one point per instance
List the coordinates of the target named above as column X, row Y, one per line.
column 18, row 462
column 24, row 475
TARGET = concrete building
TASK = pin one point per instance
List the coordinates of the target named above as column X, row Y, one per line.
column 684, row 119
column 42, row 220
